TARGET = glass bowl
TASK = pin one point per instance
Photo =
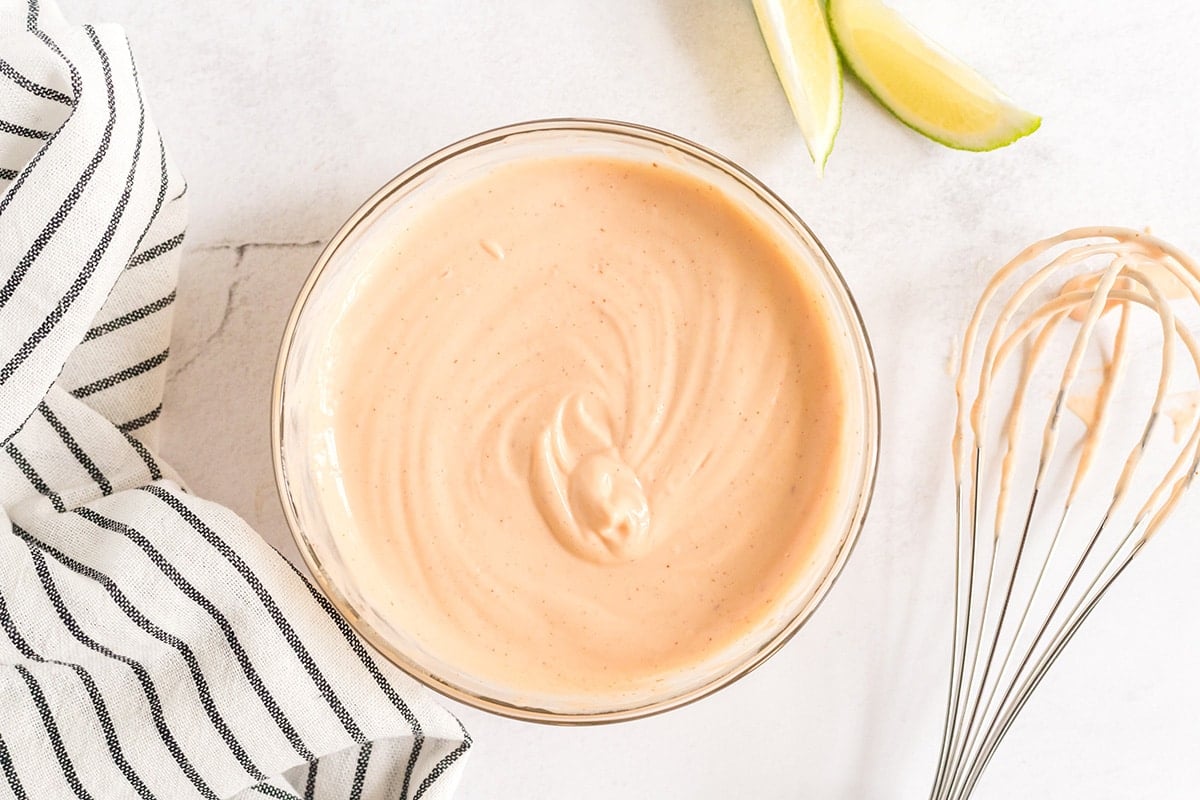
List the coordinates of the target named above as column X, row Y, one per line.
column 298, row 356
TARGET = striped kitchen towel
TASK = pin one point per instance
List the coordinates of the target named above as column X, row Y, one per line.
column 152, row 645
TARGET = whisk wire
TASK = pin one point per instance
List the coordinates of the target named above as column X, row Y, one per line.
column 964, row 685
column 998, row 627
column 955, row 655
column 1036, row 677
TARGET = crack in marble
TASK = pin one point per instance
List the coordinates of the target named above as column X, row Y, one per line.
column 242, row 246
column 231, row 291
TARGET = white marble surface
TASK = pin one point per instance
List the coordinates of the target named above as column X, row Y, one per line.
column 284, row 115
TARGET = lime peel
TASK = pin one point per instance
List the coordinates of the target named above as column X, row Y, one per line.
column 922, row 85
column 801, row 47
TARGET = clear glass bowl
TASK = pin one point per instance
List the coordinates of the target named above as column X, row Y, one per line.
column 325, row 285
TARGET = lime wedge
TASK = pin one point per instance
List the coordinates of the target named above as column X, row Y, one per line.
column 926, row 88
column 798, row 40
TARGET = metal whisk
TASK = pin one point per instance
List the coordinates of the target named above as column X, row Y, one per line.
column 1058, row 488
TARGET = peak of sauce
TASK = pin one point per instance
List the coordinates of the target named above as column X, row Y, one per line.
column 587, row 494
column 584, row 421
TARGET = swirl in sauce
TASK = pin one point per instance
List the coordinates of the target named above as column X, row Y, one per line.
column 585, row 424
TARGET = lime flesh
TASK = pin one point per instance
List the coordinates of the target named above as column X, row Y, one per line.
column 925, row 87
column 798, row 39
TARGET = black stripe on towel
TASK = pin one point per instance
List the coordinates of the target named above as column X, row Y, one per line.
column 268, row 790
column 188, row 590
column 369, row 663
column 76, row 86
column 46, row 92
column 268, row 602
column 138, row 618
column 34, row 479
column 141, row 422
column 106, row 724
column 83, row 458
column 89, row 268
column 128, row 318
column 56, row 742
column 151, row 253
column 444, row 764
column 64, row 208
column 310, row 781
column 21, row 130
column 10, row 773
column 150, row 461
column 156, row 711
column 122, row 376
column 163, row 176
column 360, row 771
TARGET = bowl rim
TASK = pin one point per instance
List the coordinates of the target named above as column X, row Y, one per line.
column 864, row 488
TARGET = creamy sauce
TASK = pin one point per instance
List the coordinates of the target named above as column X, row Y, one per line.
column 1183, row 408
column 584, row 424
column 1167, row 282
column 1085, row 407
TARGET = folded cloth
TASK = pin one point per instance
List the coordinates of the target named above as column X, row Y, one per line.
column 153, row 646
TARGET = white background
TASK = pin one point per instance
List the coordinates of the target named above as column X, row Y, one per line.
column 285, row 115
